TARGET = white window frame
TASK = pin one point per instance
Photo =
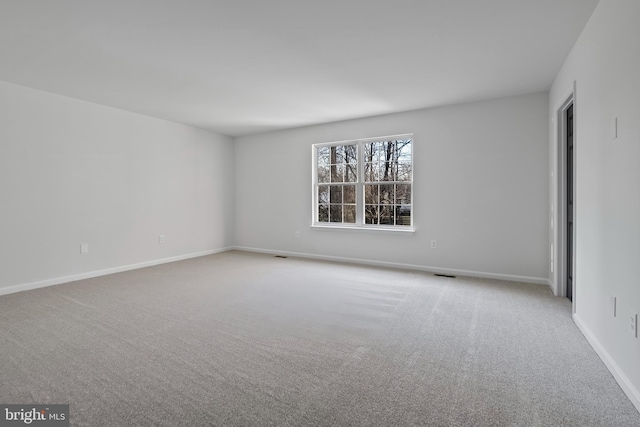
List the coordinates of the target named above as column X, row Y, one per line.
column 359, row 184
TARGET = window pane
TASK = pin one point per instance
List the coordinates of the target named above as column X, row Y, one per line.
column 323, row 173
column 349, row 194
column 371, row 172
column 404, row 171
column 337, row 173
column 403, row 150
column 323, row 155
column 386, row 216
column 403, row 215
column 337, row 154
column 350, row 214
column 371, row 194
column 336, row 194
column 380, row 151
column 403, row 194
column 368, row 152
column 335, row 213
column 323, row 194
column 350, row 154
column 386, row 171
column 334, row 155
column 351, row 173
column 371, row 214
column 387, row 196
column 323, row 213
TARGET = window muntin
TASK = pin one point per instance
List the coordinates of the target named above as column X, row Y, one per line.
column 364, row 183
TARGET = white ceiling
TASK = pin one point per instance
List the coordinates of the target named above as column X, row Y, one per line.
column 245, row 66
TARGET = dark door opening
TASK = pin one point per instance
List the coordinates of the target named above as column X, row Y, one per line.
column 569, row 206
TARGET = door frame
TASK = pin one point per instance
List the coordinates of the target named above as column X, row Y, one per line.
column 559, row 215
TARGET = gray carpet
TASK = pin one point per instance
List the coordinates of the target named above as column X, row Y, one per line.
column 245, row 339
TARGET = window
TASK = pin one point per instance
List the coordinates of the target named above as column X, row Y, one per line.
column 364, row 183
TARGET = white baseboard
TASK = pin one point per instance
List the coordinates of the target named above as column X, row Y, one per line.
column 632, row 393
column 97, row 273
column 437, row 270
column 552, row 287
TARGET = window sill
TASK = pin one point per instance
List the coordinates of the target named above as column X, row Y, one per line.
column 364, row 228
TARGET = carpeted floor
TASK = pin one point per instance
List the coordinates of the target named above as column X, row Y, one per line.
column 244, row 339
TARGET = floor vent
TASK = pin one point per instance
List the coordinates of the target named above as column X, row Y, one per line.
column 280, row 256
column 445, row 275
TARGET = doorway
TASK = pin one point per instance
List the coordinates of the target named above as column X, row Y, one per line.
column 569, row 179
column 564, row 221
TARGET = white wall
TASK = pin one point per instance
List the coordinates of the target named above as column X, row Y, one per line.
column 605, row 64
column 481, row 190
column 73, row 172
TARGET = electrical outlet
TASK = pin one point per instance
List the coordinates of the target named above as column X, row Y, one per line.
column 84, row 248
column 161, row 238
column 633, row 324
column 434, row 244
column 297, row 234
